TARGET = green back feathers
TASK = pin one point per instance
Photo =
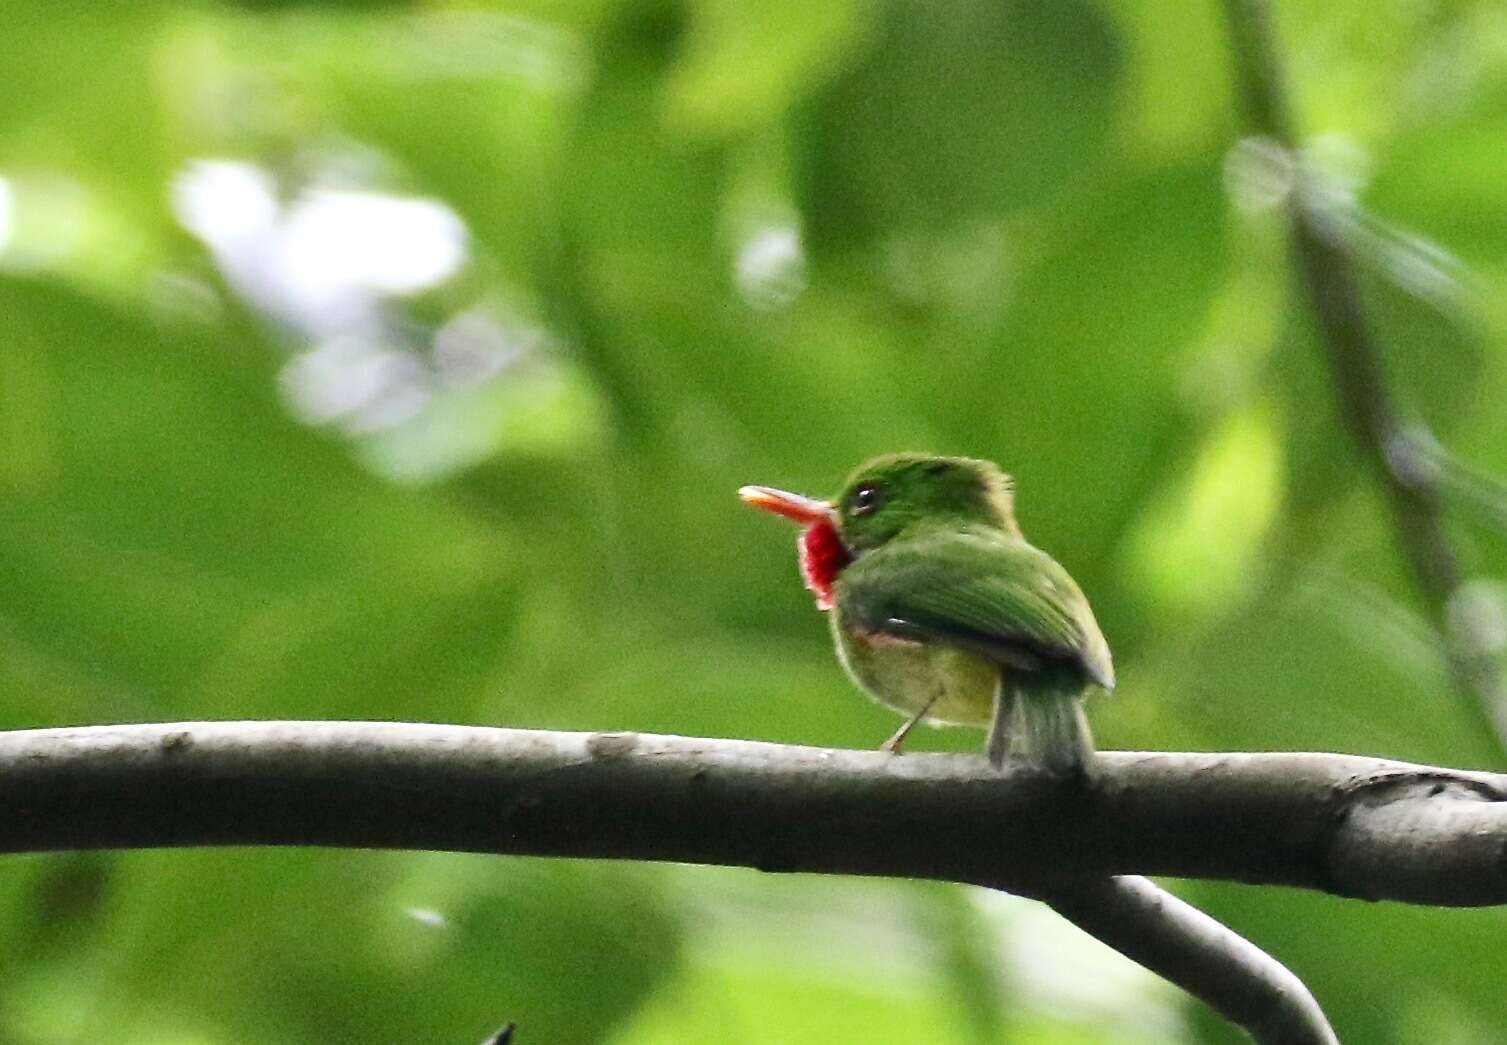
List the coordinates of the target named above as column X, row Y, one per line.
column 993, row 595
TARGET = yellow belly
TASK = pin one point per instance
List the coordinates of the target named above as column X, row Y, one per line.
column 905, row 675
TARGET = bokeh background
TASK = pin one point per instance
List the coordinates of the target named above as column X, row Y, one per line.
column 400, row 361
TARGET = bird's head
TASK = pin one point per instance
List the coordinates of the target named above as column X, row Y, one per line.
column 884, row 498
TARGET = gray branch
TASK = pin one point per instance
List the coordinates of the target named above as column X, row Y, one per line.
column 1347, row 825
column 1185, row 946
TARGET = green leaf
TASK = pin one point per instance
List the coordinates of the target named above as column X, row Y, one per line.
column 958, row 111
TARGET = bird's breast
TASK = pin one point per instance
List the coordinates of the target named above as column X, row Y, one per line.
column 906, row 674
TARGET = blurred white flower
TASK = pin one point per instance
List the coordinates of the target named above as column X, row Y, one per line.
column 357, row 381
column 321, row 263
column 225, row 203
column 334, row 239
column 771, row 267
column 473, row 346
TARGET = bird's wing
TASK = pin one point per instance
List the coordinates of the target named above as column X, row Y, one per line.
column 997, row 596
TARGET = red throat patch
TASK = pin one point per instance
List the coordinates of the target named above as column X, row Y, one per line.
column 822, row 558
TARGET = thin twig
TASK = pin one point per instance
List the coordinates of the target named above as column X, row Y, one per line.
column 1396, row 448
column 1235, row 978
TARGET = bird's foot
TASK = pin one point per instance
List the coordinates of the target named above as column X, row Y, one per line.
column 893, row 744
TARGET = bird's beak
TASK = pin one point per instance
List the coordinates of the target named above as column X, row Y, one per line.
column 804, row 510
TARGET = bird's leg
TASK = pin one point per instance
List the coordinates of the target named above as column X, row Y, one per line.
column 892, row 745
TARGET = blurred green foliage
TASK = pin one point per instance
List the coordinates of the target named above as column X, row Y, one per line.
column 268, row 449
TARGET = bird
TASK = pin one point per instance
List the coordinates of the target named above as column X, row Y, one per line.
column 941, row 609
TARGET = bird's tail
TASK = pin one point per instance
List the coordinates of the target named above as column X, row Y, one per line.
column 1042, row 723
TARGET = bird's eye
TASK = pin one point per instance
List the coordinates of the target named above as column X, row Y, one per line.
column 865, row 499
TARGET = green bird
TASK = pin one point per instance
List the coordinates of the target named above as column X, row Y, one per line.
column 941, row 610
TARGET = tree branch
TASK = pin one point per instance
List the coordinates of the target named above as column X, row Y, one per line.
column 1346, row 825
column 1350, row 825
column 1402, row 454
column 1185, row 946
